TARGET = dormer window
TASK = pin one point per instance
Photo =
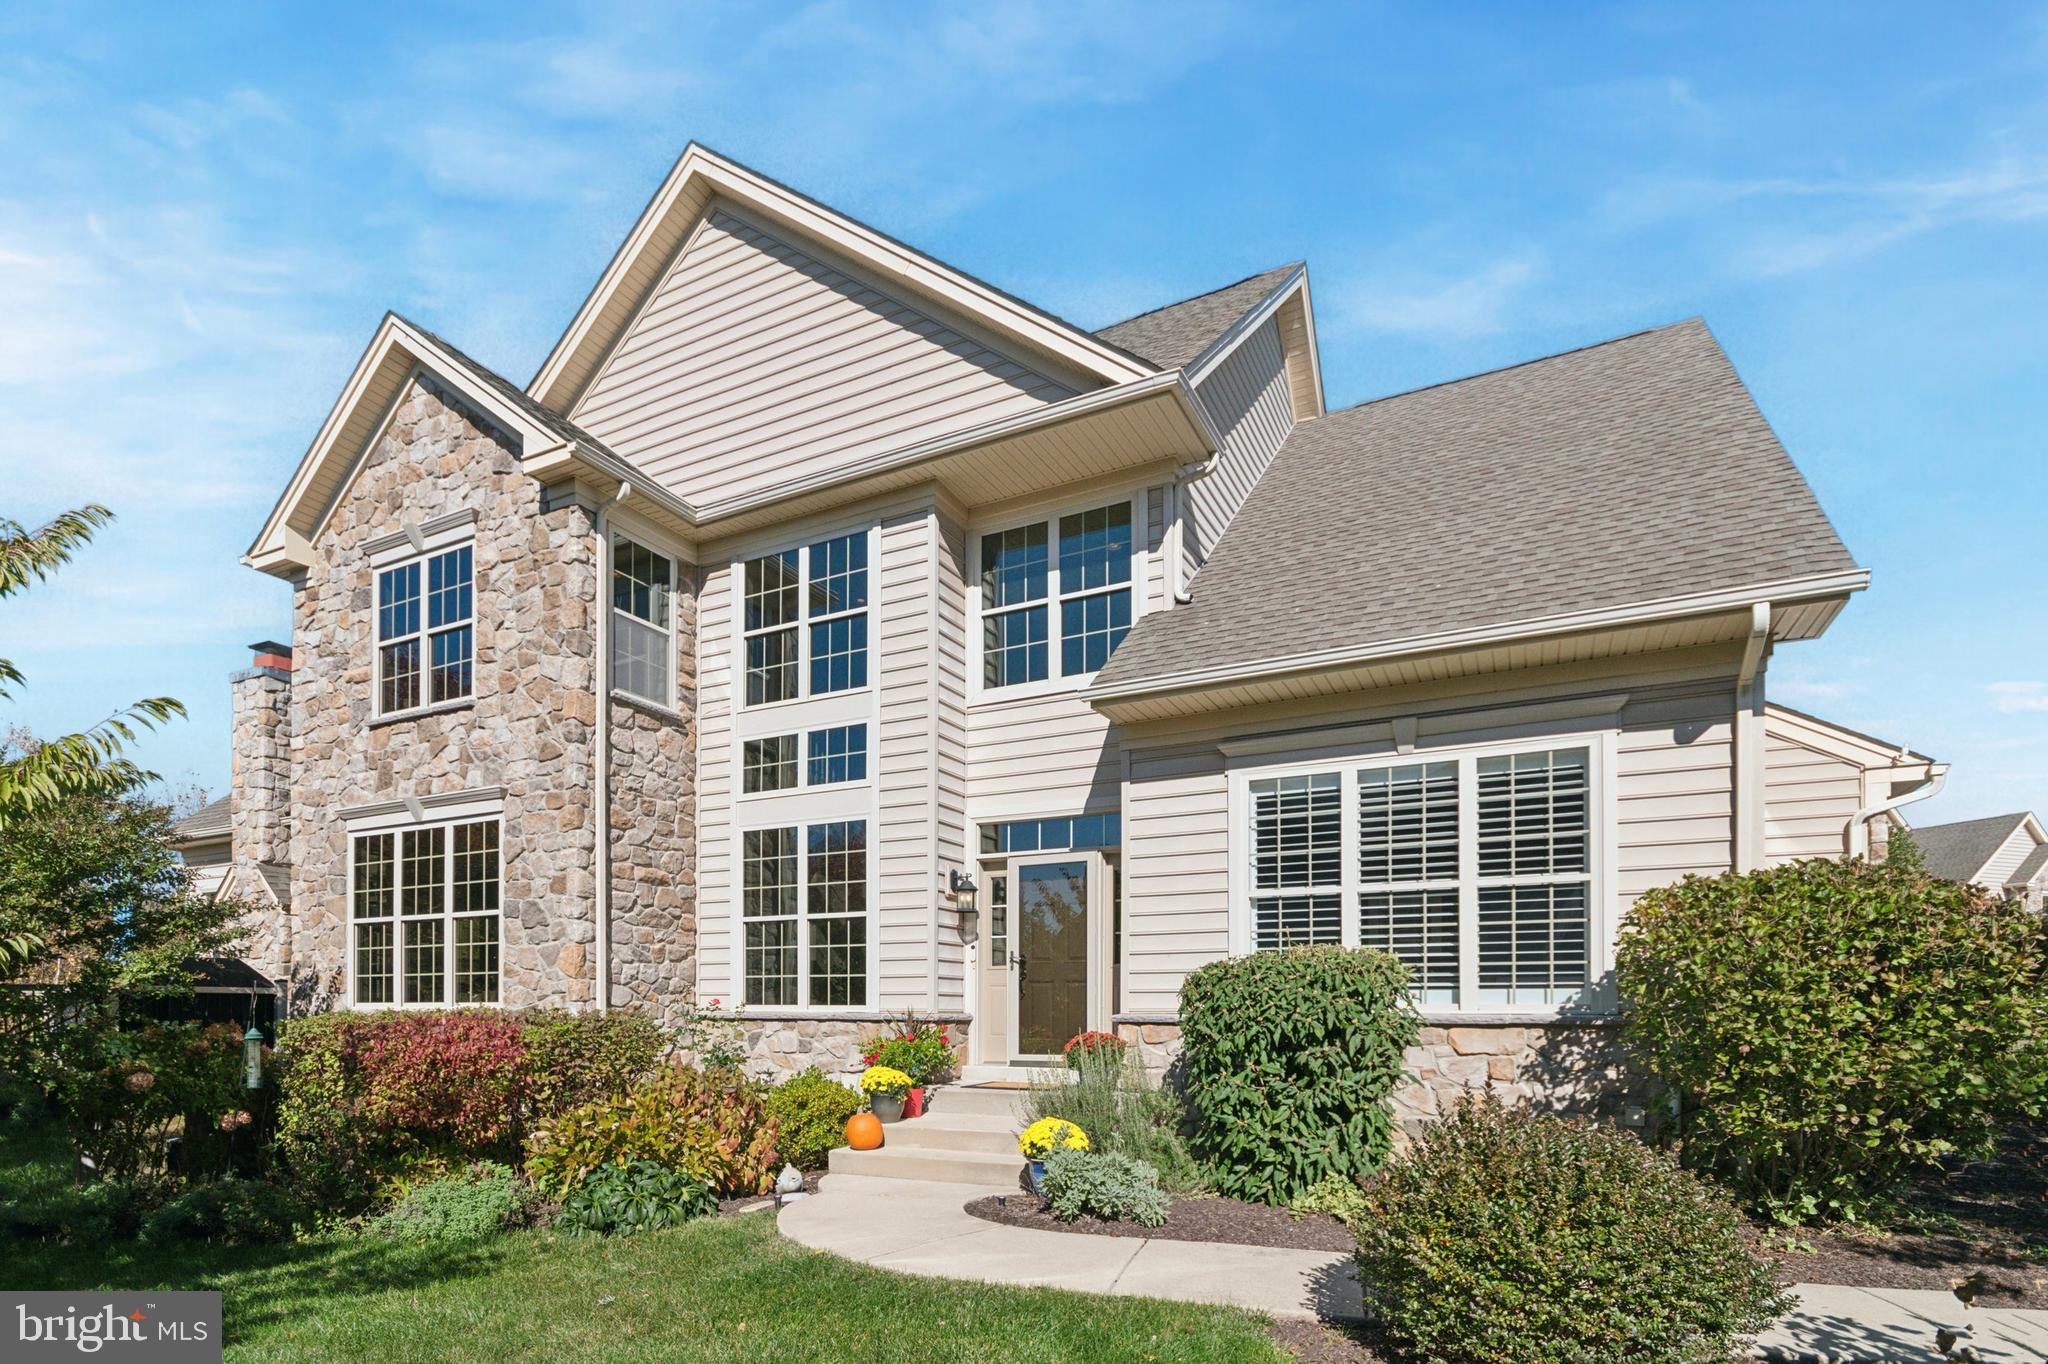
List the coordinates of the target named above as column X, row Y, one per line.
column 426, row 610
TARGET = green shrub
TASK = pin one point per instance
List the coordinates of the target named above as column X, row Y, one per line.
column 921, row 1049
column 235, row 1212
column 710, row 1127
column 1099, row 1184
column 1289, row 1059
column 1832, row 1027
column 152, row 1083
column 1123, row 1112
column 1340, row 1198
column 75, row 1214
column 1509, row 1238
column 632, row 1198
column 478, row 1202
column 810, row 1111
column 574, row 1059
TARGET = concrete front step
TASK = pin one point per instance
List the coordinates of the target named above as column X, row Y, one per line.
column 987, row 1133
column 896, row 1160
column 981, row 1100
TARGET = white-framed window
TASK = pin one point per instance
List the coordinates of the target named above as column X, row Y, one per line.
column 426, row 609
column 643, row 622
column 1056, row 595
column 804, row 620
column 804, row 914
column 832, row 756
column 1478, row 869
column 424, row 909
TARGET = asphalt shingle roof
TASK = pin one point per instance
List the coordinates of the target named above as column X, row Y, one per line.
column 1956, row 851
column 512, row 393
column 1627, row 472
column 210, row 820
column 2029, row 867
column 1172, row 336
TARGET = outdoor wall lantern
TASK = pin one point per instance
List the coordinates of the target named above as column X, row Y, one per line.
column 961, row 888
column 252, row 1059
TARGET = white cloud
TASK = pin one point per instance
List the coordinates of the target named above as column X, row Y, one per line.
column 2012, row 698
column 1476, row 304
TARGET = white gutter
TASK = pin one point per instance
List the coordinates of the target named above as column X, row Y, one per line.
column 1176, row 508
column 1859, row 823
column 602, row 766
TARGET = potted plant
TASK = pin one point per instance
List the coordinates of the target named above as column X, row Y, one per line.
column 1084, row 1046
column 921, row 1050
column 885, row 1087
column 1043, row 1136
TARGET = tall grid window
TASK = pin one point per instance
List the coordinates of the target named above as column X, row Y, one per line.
column 827, row 863
column 425, row 904
column 643, row 639
column 1055, row 590
column 1476, row 870
column 425, row 648
column 805, row 620
column 768, row 764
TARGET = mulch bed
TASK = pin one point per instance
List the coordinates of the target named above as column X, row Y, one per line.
column 1987, row 1216
column 1205, row 1218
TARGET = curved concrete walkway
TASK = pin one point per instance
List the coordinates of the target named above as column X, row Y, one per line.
column 921, row 1227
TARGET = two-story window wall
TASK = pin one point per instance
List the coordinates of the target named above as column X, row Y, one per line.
column 805, row 618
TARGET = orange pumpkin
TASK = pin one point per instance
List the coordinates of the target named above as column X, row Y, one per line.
column 864, row 1131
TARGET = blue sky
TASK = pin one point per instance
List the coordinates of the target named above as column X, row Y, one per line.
column 205, row 210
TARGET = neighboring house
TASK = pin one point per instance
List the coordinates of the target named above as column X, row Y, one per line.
column 914, row 649
column 2005, row 854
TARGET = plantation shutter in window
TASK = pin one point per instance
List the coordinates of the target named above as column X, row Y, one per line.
column 1297, row 861
column 1534, row 876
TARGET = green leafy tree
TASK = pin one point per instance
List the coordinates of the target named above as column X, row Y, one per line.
column 90, row 762
column 95, row 885
column 1902, row 851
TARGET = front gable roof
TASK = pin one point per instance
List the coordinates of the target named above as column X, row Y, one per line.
column 701, row 177
column 1960, row 851
column 1625, row 482
column 1179, row 334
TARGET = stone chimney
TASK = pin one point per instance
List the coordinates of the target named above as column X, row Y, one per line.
column 261, row 778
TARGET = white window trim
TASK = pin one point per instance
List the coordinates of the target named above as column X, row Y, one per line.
column 804, row 621
column 801, row 823
column 371, row 827
column 655, row 546
column 803, row 760
column 1050, row 514
column 458, row 535
column 1602, row 918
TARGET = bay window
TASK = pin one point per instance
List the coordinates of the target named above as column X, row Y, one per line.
column 805, row 620
column 1475, row 870
column 424, row 905
column 1058, row 589
column 804, row 911
column 425, row 638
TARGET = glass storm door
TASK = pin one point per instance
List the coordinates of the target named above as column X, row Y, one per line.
column 1049, row 908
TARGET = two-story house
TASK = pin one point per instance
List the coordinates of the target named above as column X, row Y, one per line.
column 824, row 633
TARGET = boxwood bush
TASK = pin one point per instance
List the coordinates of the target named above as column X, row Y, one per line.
column 1288, row 1061
column 1833, row 1026
column 1504, row 1237
column 810, row 1110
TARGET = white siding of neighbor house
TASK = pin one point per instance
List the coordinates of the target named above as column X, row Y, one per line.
column 1247, row 398
column 2003, row 863
column 754, row 363
column 1809, row 799
column 1673, row 800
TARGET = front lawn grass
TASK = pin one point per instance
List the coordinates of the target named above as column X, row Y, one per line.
column 718, row 1289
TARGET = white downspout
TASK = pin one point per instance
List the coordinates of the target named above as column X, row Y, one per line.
column 1176, row 506
column 1859, row 823
column 1749, row 749
column 601, row 767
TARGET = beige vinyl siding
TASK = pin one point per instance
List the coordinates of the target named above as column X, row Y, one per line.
column 2003, row 863
column 949, row 747
column 1672, row 797
column 1247, row 398
column 904, row 658
column 754, row 363
column 1809, row 799
column 717, row 956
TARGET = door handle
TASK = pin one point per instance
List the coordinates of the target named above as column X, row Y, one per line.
column 1018, row 963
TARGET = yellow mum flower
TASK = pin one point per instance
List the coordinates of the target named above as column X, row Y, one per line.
column 884, row 1080
column 1048, row 1134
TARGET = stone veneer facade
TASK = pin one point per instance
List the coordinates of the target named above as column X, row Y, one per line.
column 1578, row 1068
column 528, row 729
column 778, row 1046
column 653, row 774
